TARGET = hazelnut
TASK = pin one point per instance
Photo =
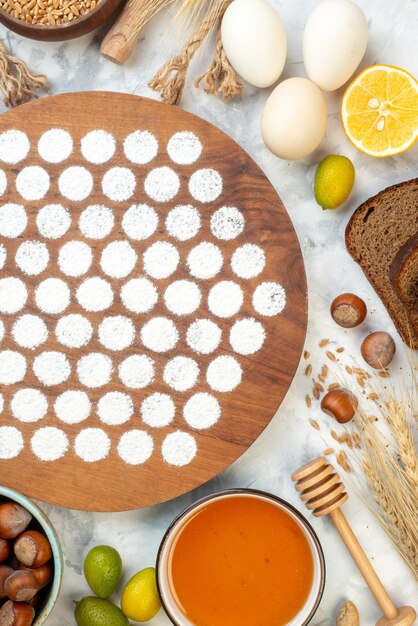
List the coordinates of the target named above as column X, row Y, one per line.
column 4, row 550
column 43, row 574
column 348, row 310
column 340, row 404
column 378, row 349
column 32, row 549
column 16, row 614
column 5, row 571
column 20, row 586
column 14, row 519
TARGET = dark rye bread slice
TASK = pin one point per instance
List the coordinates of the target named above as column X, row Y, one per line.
column 404, row 278
column 374, row 235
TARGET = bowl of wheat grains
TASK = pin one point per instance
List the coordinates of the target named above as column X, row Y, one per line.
column 55, row 20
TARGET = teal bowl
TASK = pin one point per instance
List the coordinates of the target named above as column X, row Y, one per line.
column 41, row 522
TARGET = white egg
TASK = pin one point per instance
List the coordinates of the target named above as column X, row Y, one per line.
column 294, row 119
column 334, row 42
column 254, row 41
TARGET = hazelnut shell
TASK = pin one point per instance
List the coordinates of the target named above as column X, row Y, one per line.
column 16, row 614
column 20, row 586
column 340, row 404
column 348, row 310
column 32, row 549
column 378, row 349
column 14, row 519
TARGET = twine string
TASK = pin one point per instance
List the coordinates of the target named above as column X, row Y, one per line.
column 17, row 83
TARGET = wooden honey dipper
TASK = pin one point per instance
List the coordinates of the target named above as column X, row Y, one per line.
column 323, row 493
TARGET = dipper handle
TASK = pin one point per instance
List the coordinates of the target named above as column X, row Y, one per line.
column 323, row 492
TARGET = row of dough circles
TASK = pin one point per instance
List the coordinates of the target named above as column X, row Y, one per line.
column 116, row 333
column 139, row 222
column 118, row 259
column 202, row 410
column 95, row 370
column 99, row 146
column 135, row 446
column 118, row 184
column 182, row 297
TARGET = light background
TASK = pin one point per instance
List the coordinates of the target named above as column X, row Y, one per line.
column 289, row 441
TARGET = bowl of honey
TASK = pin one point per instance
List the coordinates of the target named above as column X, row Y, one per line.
column 240, row 557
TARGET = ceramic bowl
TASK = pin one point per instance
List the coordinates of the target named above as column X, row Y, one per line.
column 61, row 32
column 41, row 522
column 167, row 599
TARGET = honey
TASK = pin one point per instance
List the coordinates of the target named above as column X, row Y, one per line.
column 240, row 560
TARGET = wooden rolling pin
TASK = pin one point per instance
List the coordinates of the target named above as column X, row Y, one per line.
column 119, row 42
column 323, row 493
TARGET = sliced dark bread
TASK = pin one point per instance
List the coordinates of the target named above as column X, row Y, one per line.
column 374, row 235
column 404, row 278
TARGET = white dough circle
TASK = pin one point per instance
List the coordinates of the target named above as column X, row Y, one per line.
column 29, row 331
column 158, row 410
column 94, row 370
column 32, row 257
column 49, row 443
column 203, row 336
column 181, row 373
column 140, row 147
column 247, row 336
column 115, row 408
column 75, row 183
column 118, row 184
column 227, row 223
column 116, row 333
column 182, row 297
column 74, row 330
column 225, row 298
column 184, row 148
column 13, row 295
column 159, row 334
column 72, row 406
column 162, row 184
column 3, row 256
column 248, row 261
column 12, row 367
column 137, row 371
column 11, row 442
column 161, row 259
column 96, row 221
column 179, row 448
column 95, row 294
column 55, row 145
column 202, row 410
column 224, row 374
column 75, row 258
column 140, row 221
column 135, row 447
column 205, row 260
column 32, row 182
column 139, row 295
column 205, row 185
column 51, row 368
column 52, row 295
column 13, row 220
column 98, row 146
column 92, row 445
column 3, row 182
column 183, row 222
column 29, row 405
column 53, row 221
column 269, row 299
column 118, row 259
column 14, row 146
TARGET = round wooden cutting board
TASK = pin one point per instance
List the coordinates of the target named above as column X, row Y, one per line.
column 152, row 300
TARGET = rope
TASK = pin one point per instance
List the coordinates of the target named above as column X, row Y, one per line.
column 17, row 83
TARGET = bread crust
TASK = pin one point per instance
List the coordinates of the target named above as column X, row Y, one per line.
column 395, row 306
column 407, row 256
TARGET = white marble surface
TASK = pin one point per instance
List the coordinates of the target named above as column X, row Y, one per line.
column 289, row 440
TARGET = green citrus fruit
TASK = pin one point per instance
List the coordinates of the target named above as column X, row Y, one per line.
column 140, row 599
column 91, row 611
column 334, row 180
column 103, row 570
